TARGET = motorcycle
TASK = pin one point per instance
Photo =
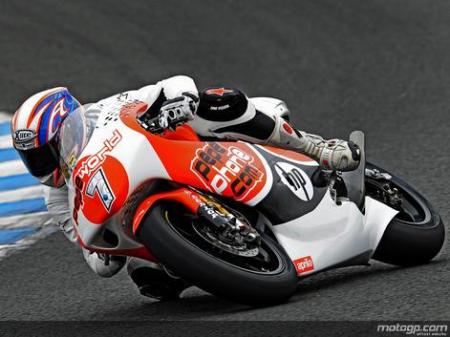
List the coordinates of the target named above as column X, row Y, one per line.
column 242, row 221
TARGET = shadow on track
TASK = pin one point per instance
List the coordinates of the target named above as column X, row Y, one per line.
column 198, row 305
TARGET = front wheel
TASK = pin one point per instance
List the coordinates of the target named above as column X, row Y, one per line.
column 416, row 234
column 169, row 231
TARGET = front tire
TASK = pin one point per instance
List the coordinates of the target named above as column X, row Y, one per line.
column 416, row 234
column 164, row 231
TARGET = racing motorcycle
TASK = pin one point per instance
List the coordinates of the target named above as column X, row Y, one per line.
column 239, row 220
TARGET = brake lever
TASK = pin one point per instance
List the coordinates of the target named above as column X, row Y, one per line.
column 154, row 126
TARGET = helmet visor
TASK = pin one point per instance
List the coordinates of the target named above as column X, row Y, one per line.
column 41, row 160
column 73, row 137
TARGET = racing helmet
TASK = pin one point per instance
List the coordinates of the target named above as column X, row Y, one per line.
column 35, row 131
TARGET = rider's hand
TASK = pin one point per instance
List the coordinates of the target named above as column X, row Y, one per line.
column 178, row 110
column 340, row 155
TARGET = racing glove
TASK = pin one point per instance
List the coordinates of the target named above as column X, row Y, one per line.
column 333, row 154
column 174, row 112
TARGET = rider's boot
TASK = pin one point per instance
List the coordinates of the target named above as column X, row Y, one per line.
column 154, row 281
column 334, row 154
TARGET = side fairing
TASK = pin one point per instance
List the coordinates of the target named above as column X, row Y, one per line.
column 114, row 163
column 121, row 156
column 334, row 235
column 230, row 169
column 278, row 180
column 293, row 192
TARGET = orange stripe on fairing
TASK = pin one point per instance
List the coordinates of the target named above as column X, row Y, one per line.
column 289, row 154
column 182, row 132
column 185, row 196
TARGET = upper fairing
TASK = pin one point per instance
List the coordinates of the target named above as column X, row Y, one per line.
column 114, row 163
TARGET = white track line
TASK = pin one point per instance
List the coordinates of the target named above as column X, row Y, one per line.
column 41, row 220
column 5, row 142
column 6, row 250
column 4, row 117
column 13, row 167
column 29, row 220
column 25, row 193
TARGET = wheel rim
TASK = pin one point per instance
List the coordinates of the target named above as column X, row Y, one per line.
column 268, row 261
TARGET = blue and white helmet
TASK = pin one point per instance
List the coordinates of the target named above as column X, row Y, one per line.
column 35, row 128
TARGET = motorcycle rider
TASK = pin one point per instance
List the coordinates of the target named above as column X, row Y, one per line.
column 219, row 113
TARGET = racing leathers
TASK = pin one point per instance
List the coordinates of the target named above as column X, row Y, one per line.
column 219, row 113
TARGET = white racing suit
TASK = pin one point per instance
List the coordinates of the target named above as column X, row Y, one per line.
column 259, row 120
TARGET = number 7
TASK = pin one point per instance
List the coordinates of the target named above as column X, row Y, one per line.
column 99, row 183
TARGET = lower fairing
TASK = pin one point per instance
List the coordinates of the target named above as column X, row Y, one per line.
column 332, row 234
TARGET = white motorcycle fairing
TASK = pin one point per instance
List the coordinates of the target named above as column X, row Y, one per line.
column 111, row 174
column 334, row 235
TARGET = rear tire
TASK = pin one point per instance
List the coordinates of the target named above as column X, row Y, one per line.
column 210, row 272
column 413, row 238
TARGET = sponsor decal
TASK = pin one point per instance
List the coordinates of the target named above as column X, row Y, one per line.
column 94, row 161
column 195, row 197
column 288, row 128
column 218, row 91
column 122, row 97
column 72, row 160
column 218, row 108
column 208, row 211
column 296, row 180
column 68, row 165
column 24, row 139
column 24, row 135
column 78, row 199
column 304, row 264
column 57, row 115
column 102, row 193
column 99, row 184
column 221, row 168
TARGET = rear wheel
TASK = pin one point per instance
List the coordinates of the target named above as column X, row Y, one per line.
column 172, row 235
column 416, row 234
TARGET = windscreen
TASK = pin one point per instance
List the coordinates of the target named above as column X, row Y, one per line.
column 73, row 136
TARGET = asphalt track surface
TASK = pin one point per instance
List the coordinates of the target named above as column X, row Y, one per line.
column 379, row 66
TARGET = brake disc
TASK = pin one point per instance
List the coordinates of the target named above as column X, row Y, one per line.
column 234, row 247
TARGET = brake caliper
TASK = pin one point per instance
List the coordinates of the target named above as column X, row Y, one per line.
column 230, row 231
column 388, row 194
